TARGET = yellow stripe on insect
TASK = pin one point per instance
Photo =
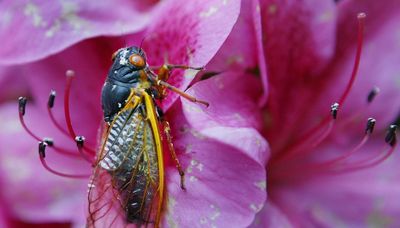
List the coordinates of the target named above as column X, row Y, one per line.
column 151, row 115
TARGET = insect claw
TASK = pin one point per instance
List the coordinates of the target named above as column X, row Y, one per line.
column 199, row 68
column 204, row 103
column 182, row 174
column 201, row 102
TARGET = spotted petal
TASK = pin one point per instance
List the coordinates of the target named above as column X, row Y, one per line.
column 188, row 33
column 31, row 30
column 225, row 185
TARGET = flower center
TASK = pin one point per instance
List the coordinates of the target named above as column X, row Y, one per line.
column 303, row 159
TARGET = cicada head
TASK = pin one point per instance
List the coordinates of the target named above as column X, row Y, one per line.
column 127, row 64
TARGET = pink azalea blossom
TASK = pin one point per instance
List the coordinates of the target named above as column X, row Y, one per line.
column 310, row 47
column 225, row 181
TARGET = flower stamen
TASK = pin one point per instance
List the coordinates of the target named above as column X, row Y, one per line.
column 21, row 111
column 372, row 94
column 315, row 139
column 326, row 121
column 22, row 101
column 361, row 24
column 42, row 155
column 368, row 131
column 50, row 105
column 80, row 140
column 70, row 76
column 372, row 161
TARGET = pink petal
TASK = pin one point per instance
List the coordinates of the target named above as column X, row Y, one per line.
column 260, row 52
column 188, row 33
column 305, row 43
column 32, row 193
column 11, row 85
column 243, row 52
column 31, row 30
column 366, row 198
column 3, row 216
column 239, row 51
column 232, row 98
column 299, row 43
column 232, row 112
column 225, row 187
column 271, row 216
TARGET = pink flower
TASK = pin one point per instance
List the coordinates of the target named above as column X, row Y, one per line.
column 225, row 181
column 324, row 179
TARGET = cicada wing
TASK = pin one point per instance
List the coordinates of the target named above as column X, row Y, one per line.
column 124, row 188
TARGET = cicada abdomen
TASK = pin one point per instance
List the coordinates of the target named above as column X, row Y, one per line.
column 125, row 187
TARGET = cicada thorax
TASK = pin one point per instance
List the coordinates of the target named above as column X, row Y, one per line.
column 121, row 78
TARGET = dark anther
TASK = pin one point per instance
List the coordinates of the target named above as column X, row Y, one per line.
column 391, row 135
column 49, row 141
column 372, row 94
column 22, row 105
column 42, row 149
column 370, row 126
column 79, row 141
column 334, row 110
column 52, row 97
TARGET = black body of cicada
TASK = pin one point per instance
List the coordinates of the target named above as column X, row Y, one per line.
column 122, row 76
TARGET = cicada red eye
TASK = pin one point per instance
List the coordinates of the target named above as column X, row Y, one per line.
column 137, row 61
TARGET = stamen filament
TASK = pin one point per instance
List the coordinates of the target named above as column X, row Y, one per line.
column 345, row 155
column 315, row 138
column 361, row 19
column 50, row 105
column 21, row 112
column 390, row 139
column 42, row 155
column 364, row 163
column 70, row 76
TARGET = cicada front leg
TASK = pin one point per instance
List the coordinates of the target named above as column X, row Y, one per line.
column 162, row 76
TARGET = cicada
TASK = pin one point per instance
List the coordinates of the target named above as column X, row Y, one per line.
column 127, row 183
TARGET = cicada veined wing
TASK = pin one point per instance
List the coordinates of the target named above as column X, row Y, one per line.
column 127, row 181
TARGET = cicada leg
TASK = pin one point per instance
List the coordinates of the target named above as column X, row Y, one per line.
column 166, row 68
column 167, row 131
column 162, row 76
